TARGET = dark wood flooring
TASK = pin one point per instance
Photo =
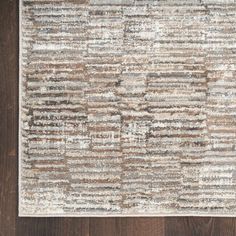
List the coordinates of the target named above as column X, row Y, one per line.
column 11, row 225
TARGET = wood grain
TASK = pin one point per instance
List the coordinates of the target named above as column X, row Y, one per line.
column 200, row 226
column 189, row 226
column 127, row 226
column 11, row 225
column 53, row 226
column 144, row 226
column 224, row 226
column 112, row 226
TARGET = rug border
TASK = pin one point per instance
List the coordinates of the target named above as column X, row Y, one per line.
column 128, row 215
column 22, row 214
column 19, row 108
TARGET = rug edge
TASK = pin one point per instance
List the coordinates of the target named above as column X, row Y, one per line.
column 128, row 215
column 19, row 106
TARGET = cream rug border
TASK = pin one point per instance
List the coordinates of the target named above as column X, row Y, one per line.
column 21, row 214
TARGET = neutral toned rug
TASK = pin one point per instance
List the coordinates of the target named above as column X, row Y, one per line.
column 127, row 107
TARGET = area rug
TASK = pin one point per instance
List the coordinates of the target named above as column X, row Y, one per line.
column 127, row 108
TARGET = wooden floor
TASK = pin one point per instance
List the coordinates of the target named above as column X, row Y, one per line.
column 11, row 225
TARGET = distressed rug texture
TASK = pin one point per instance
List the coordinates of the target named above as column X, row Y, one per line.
column 127, row 108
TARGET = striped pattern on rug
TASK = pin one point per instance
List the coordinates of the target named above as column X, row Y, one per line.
column 128, row 107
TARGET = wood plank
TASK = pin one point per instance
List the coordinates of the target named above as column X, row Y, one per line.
column 200, row 226
column 53, row 226
column 224, row 227
column 105, row 226
column 141, row 226
column 8, row 115
column 134, row 226
column 194, row 226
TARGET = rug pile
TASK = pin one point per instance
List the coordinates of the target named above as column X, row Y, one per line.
column 127, row 108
